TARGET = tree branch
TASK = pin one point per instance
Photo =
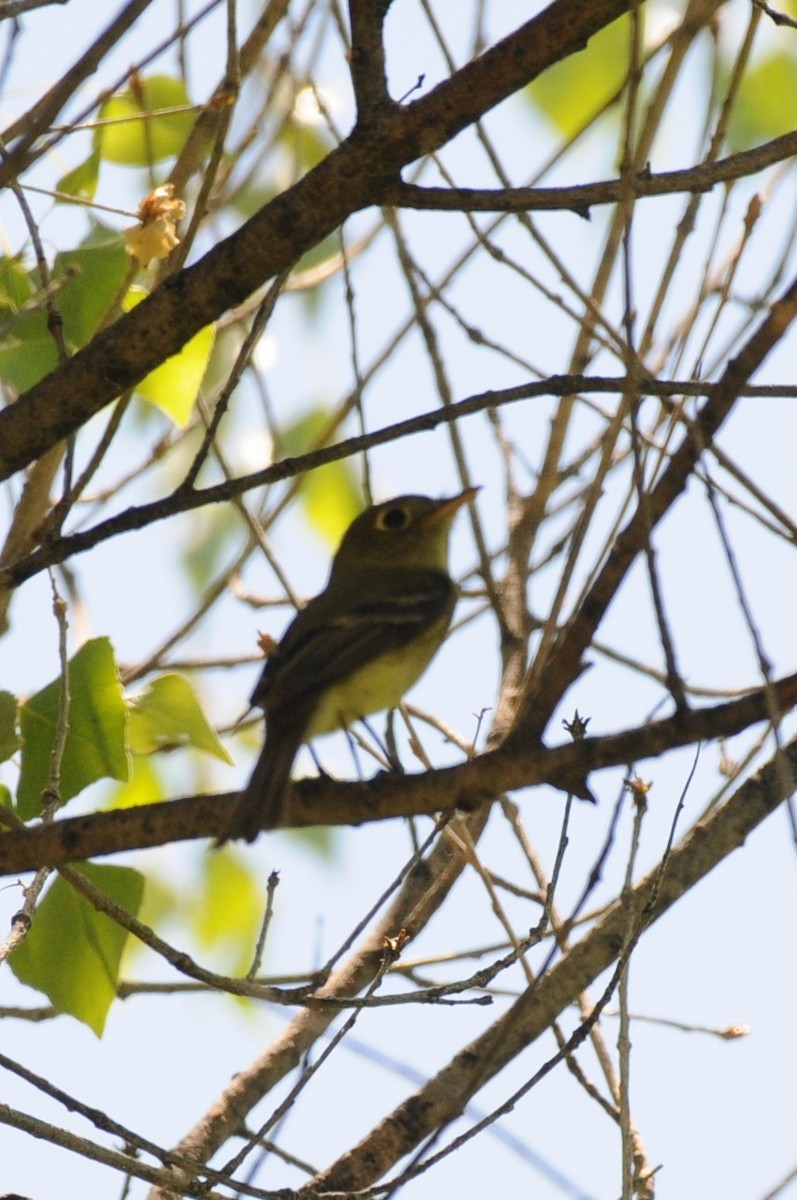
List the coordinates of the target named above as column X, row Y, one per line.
column 367, row 58
column 579, row 199
column 445, row 1096
column 328, row 802
column 353, row 177
column 37, row 120
column 425, row 888
column 545, row 687
column 141, row 516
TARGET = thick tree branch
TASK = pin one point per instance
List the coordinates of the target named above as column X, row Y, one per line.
column 367, row 60
column 327, row 802
column 354, row 176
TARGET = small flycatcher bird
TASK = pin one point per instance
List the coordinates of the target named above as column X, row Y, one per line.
column 356, row 648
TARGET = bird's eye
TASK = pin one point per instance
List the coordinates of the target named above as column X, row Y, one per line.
column 394, row 518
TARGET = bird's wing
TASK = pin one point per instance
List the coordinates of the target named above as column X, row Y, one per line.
column 328, row 641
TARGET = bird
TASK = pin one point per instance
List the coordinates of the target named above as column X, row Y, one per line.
column 358, row 646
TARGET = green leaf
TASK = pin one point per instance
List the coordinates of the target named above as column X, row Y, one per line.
column 94, row 274
column 228, row 908
column 88, row 281
column 163, row 901
column 330, row 495
column 81, row 182
column 27, row 350
column 72, row 952
column 572, row 92
column 331, row 500
column 174, row 385
column 139, row 140
column 144, row 785
column 15, row 285
column 208, row 541
column 168, row 714
column 305, row 145
column 28, row 353
column 9, row 738
column 95, row 743
column 766, row 102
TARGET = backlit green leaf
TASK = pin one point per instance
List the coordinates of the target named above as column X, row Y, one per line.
column 228, row 908
column 86, row 282
column 94, row 276
column 27, row 350
column 330, row 496
column 766, row 102
column 572, row 92
column 174, row 385
column 304, row 145
column 72, row 952
column 81, row 182
column 143, row 786
column 95, row 741
column 168, row 714
column 139, row 140
column 15, row 286
column 28, row 353
column 207, row 543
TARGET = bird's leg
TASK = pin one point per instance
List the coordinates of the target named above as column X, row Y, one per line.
column 396, row 764
column 353, row 747
column 387, row 744
column 323, row 774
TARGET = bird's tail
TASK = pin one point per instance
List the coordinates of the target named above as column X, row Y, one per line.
column 260, row 805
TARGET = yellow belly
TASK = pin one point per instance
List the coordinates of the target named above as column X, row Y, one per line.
column 378, row 684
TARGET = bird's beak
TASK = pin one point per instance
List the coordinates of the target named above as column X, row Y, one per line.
column 446, row 508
